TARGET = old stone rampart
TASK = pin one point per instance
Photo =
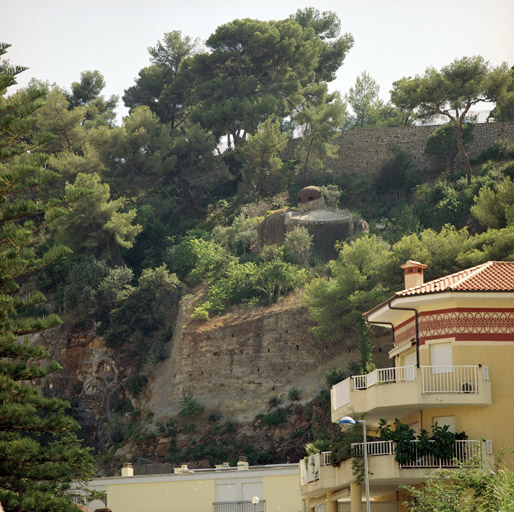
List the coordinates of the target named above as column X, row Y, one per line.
column 363, row 152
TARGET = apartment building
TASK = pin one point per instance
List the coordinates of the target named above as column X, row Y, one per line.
column 452, row 359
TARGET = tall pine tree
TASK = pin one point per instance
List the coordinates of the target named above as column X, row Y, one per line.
column 40, row 453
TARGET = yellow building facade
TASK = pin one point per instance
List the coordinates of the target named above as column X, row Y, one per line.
column 271, row 488
column 453, row 349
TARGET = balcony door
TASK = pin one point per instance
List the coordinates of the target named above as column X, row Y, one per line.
column 441, row 358
column 409, row 361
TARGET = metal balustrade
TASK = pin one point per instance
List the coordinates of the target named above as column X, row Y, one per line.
column 239, row 506
column 325, row 458
column 373, row 448
column 434, row 379
column 464, row 452
column 449, row 379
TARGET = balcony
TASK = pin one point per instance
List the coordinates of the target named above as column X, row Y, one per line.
column 318, row 476
column 395, row 392
column 239, row 506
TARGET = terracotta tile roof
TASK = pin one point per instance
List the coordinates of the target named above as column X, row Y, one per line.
column 493, row 276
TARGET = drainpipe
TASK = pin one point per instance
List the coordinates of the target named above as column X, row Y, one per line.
column 416, row 324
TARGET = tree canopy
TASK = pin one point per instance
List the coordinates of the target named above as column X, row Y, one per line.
column 40, row 453
column 452, row 91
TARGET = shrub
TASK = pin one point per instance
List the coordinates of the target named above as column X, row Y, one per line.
column 334, row 376
column 276, row 418
column 190, row 407
column 200, row 313
column 81, row 286
column 274, row 401
column 442, row 147
column 294, row 394
column 195, row 258
column 135, row 384
column 298, row 244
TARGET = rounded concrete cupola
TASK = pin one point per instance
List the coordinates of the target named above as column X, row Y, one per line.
column 308, row 194
column 309, row 198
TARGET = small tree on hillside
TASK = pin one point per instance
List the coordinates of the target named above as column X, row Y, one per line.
column 452, row 92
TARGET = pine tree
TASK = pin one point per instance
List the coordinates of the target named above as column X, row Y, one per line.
column 40, row 453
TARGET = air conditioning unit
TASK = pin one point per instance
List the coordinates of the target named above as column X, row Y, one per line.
column 467, row 387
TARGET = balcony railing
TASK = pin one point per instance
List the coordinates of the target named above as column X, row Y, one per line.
column 434, row 379
column 309, row 467
column 239, row 506
column 464, row 452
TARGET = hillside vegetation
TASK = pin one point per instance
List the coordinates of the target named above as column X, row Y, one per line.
column 171, row 199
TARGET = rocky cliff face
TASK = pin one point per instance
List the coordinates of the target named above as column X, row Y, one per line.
column 90, row 377
column 237, row 362
column 232, row 365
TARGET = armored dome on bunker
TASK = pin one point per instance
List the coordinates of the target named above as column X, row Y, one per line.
column 327, row 225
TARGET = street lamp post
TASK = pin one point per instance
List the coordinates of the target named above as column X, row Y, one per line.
column 347, row 420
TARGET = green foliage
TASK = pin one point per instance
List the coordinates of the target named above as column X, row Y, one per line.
column 320, row 445
column 495, row 208
column 319, row 118
column 452, row 92
column 500, row 150
column 275, row 278
column 273, row 402
column 331, row 194
column 81, row 286
column 190, row 407
column 237, row 237
column 86, row 93
column 236, row 286
column 95, row 224
column 395, row 178
column 267, row 63
column 294, row 394
column 442, row 147
column 368, row 109
column 363, row 97
column 466, row 489
column 365, row 348
column 276, row 417
column 196, row 258
column 144, row 308
column 298, row 243
column 334, row 376
column 135, row 384
column 41, row 452
column 263, row 170
column 356, row 284
column 200, row 314
column 408, row 446
column 164, row 86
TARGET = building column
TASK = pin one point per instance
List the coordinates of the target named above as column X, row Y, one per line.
column 356, row 497
column 331, row 504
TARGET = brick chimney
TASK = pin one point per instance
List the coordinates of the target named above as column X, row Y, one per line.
column 413, row 273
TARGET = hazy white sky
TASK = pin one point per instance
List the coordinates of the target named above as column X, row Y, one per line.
column 58, row 39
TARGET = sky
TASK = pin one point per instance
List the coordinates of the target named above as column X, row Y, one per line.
column 58, row 39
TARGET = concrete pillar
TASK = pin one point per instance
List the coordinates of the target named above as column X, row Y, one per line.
column 331, row 504
column 356, row 497
column 308, row 504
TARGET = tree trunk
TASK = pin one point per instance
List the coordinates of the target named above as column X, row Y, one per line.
column 462, row 152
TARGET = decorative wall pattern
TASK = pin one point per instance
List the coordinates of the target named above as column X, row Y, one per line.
column 404, row 332
column 460, row 323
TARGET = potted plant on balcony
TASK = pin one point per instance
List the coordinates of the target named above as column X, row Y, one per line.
column 444, row 443
column 403, row 437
